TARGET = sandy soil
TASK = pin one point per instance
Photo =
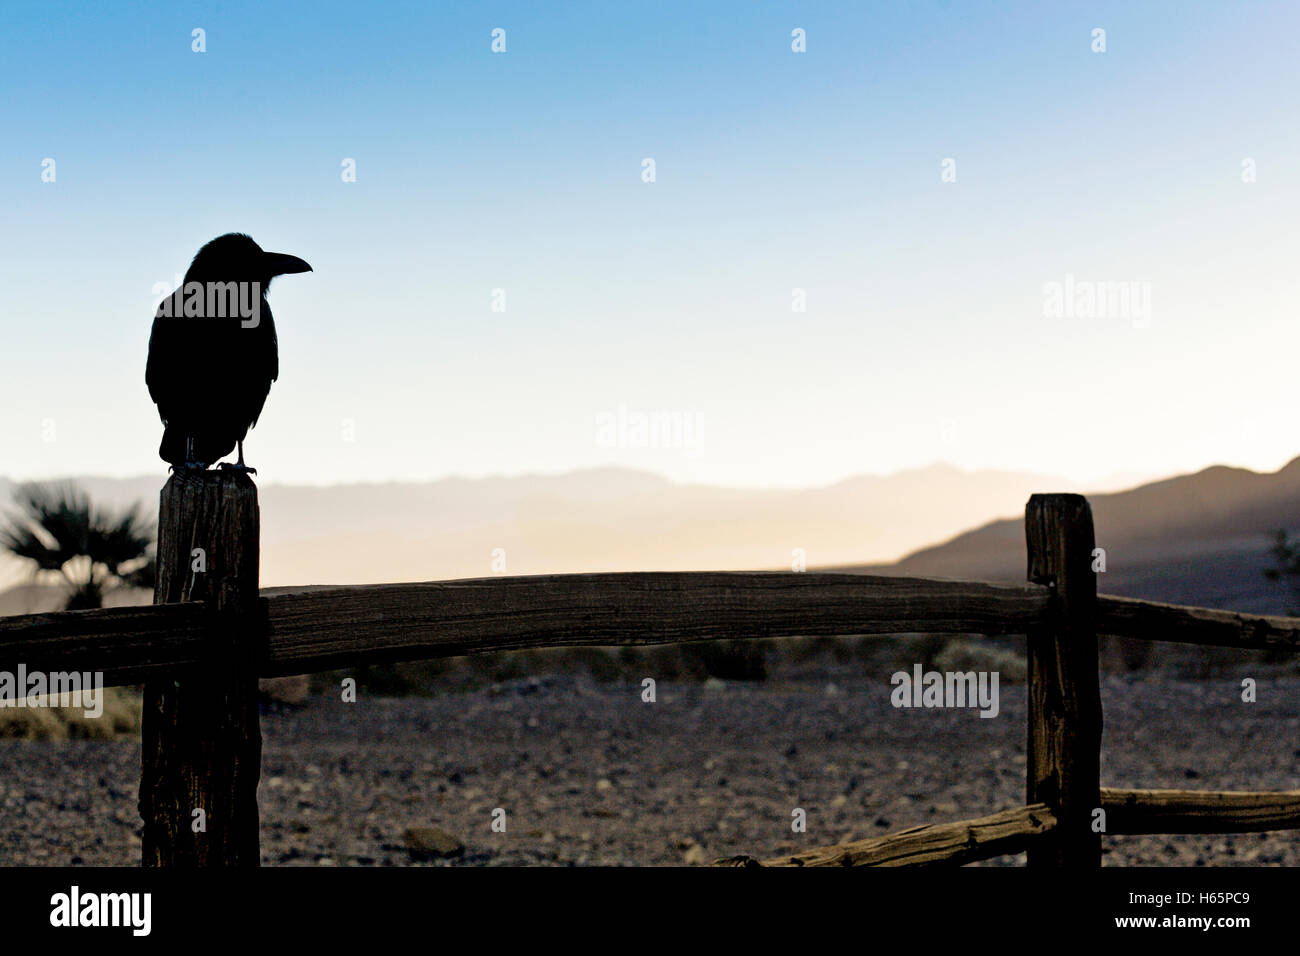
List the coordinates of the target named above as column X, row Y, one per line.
column 589, row 774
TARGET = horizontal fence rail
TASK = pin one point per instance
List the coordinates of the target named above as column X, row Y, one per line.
column 1152, row 621
column 964, row 841
column 328, row 627
column 324, row 628
column 1012, row 831
column 1199, row 811
column 129, row 645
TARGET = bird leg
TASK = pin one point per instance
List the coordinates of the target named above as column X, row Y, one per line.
column 239, row 465
column 190, row 464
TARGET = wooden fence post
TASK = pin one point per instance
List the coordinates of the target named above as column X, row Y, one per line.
column 1063, row 767
column 201, row 738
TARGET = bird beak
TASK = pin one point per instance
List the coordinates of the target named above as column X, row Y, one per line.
column 278, row 264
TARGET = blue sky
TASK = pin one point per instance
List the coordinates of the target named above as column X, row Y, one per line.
column 924, row 338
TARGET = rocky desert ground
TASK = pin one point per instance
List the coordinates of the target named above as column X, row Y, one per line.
column 589, row 774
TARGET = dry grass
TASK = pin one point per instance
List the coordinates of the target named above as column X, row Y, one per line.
column 121, row 718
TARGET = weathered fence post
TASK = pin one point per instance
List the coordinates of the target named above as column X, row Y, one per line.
column 1063, row 766
column 202, row 742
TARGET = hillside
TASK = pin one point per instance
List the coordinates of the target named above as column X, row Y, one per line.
column 1195, row 539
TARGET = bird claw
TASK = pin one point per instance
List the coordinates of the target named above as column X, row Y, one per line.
column 237, row 466
column 188, row 466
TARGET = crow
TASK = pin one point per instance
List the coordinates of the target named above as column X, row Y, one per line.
column 213, row 353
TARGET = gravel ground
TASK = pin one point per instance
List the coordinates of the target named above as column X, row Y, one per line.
column 589, row 774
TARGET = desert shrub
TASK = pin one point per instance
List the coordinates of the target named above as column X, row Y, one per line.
column 1125, row 654
column 662, row 662
column 725, row 660
column 121, row 717
column 962, row 655
column 407, row 679
column 809, row 650
column 123, row 709
column 882, row 655
column 600, row 663
column 498, row 666
column 31, row 723
column 923, row 649
column 1204, row 663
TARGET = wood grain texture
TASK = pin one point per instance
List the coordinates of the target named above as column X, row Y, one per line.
column 1199, row 811
column 951, row 844
column 1015, row 830
column 1063, row 750
column 201, row 740
column 337, row 627
column 1152, row 621
column 128, row 644
column 131, row 644
column 324, row 627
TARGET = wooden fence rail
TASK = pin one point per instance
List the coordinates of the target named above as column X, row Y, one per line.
column 200, row 648
column 325, row 628
column 131, row 644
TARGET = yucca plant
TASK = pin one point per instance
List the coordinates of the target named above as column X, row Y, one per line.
column 94, row 550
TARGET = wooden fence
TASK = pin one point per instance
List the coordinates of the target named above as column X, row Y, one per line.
column 201, row 647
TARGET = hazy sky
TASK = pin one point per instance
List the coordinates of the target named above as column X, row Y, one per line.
column 924, row 337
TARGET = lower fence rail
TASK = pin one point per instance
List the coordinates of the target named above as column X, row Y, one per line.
column 963, row 841
column 1012, row 831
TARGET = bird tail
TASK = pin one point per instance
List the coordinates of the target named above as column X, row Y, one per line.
column 172, row 448
column 207, row 448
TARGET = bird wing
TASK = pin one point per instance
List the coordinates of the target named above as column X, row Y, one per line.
column 165, row 355
column 265, row 365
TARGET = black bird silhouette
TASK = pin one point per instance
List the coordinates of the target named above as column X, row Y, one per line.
column 213, row 352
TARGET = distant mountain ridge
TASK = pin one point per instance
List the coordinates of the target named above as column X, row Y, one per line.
column 1199, row 539
column 592, row 520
